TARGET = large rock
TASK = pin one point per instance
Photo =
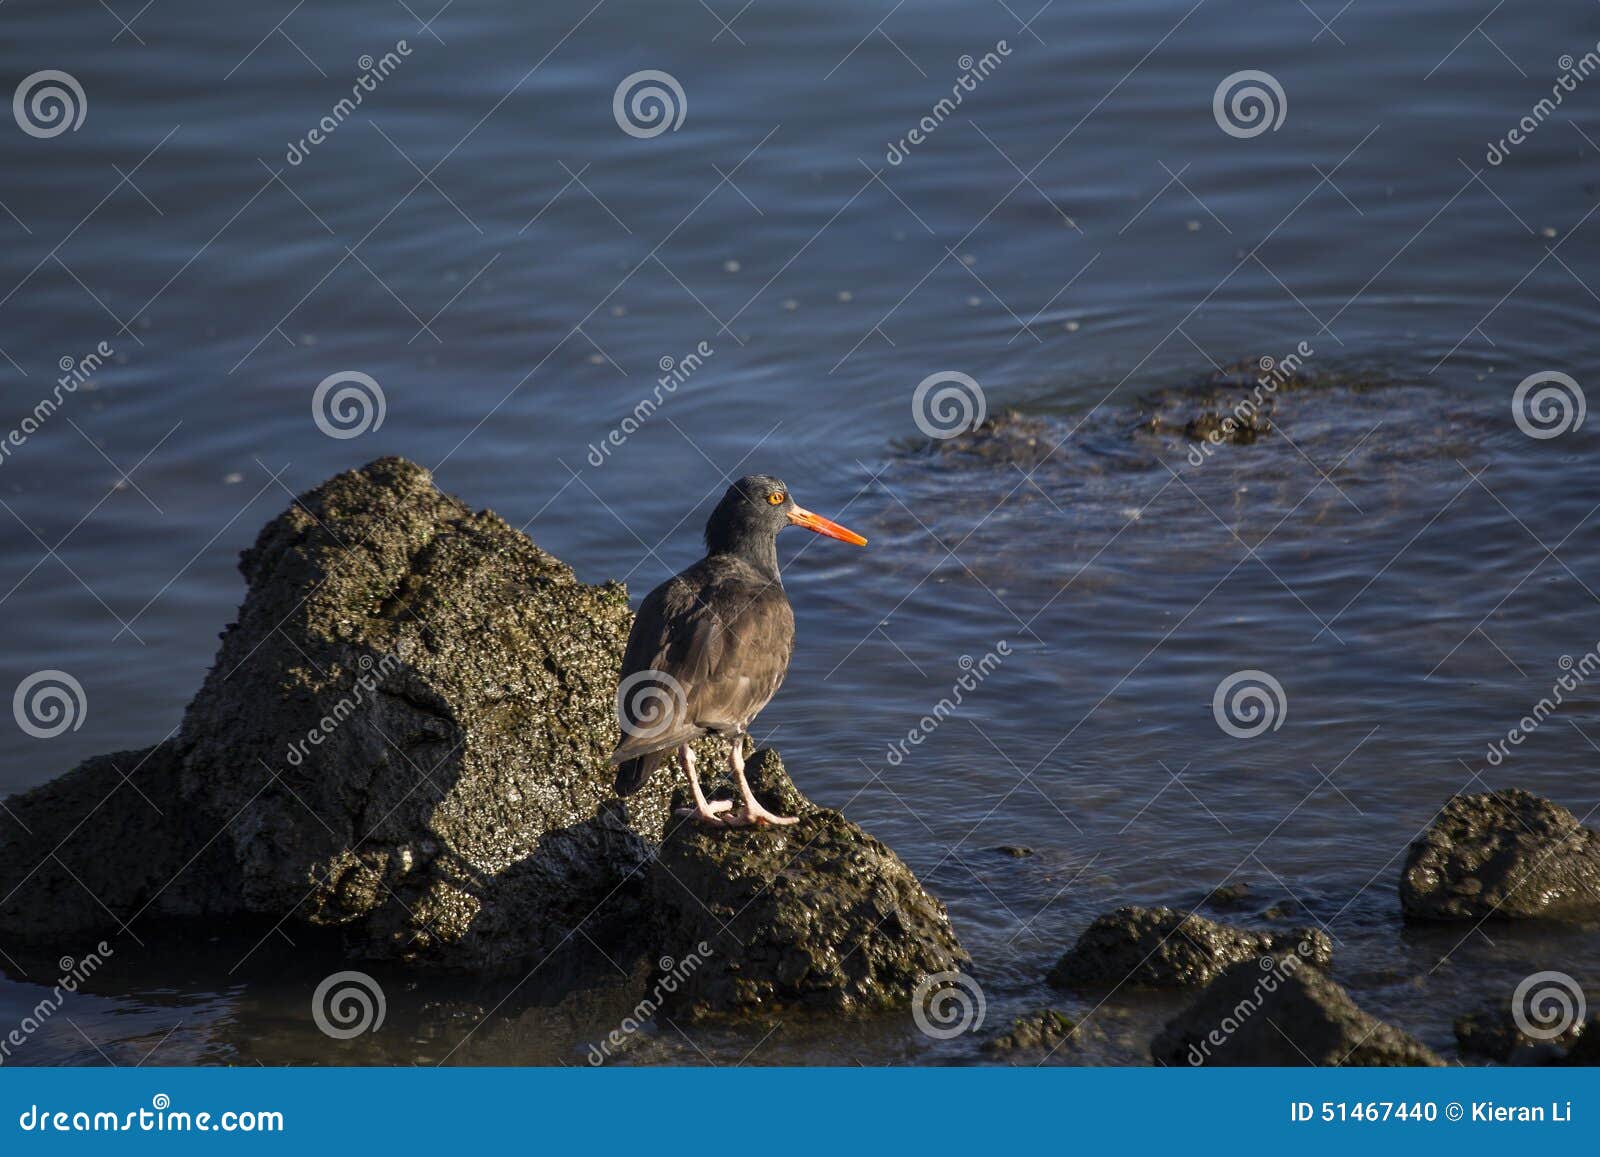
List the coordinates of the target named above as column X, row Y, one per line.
column 815, row 916
column 1289, row 1013
column 403, row 737
column 1166, row 948
column 1505, row 854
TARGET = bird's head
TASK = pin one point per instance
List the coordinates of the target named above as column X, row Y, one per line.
column 756, row 507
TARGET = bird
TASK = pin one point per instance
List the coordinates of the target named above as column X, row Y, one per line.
column 709, row 649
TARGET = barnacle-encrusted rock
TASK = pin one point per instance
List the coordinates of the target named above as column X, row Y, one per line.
column 1503, row 854
column 1166, row 948
column 404, row 737
column 818, row 915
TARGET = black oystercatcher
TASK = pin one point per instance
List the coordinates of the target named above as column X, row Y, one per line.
column 709, row 648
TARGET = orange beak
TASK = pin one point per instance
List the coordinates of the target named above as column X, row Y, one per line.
column 800, row 516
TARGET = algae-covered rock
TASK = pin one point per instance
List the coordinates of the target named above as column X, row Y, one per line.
column 815, row 916
column 1288, row 1013
column 1166, row 948
column 1505, row 854
column 404, row 736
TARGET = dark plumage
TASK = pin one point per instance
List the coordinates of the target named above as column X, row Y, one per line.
column 710, row 646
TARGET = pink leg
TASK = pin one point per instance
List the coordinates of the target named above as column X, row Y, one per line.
column 752, row 814
column 704, row 811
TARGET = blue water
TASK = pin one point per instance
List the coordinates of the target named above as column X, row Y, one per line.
column 482, row 239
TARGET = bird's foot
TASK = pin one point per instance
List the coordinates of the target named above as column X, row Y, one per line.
column 710, row 814
column 755, row 816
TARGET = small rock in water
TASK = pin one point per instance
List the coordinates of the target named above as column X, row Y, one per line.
column 1493, row 1033
column 1229, row 895
column 1048, row 1031
column 1017, row 851
column 1166, row 948
column 1506, row 854
column 1289, row 1013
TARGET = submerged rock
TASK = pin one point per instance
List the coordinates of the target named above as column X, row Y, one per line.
column 1289, row 1013
column 1492, row 1033
column 1166, row 948
column 1585, row 1048
column 1048, row 1031
column 1506, row 854
column 403, row 737
column 813, row 916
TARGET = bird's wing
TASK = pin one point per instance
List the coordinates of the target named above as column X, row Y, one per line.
column 707, row 651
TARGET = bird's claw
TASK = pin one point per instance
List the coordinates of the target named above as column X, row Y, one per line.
column 710, row 815
column 748, row 818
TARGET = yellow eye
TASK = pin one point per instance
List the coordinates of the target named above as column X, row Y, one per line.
column 775, row 498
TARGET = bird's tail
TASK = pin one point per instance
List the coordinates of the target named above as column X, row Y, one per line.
column 633, row 773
